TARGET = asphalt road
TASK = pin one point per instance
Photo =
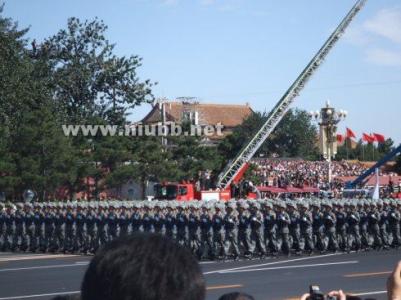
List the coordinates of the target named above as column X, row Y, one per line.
column 31, row 276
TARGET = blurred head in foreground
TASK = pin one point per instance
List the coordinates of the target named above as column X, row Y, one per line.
column 143, row 267
column 236, row 296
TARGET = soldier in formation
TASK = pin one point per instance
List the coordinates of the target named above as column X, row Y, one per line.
column 212, row 230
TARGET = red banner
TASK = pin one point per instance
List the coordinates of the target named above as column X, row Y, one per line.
column 379, row 138
column 340, row 138
column 350, row 134
column 367, row 138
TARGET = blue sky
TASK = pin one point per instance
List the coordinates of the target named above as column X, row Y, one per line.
column 238, row 51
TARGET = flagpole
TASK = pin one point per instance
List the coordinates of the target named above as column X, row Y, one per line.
column 363, row 152
column 346, row 146
column 373, row 150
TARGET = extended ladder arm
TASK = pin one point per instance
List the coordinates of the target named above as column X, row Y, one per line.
column 370, row 171
column 282, row 106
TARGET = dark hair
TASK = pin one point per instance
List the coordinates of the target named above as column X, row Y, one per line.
column 236, row 296
column 67, row 297
column 143, row 267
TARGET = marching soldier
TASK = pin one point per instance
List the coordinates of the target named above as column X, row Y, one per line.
column 136, row 218
column 318, row 226
column 123, row 220
column 57, row 242
column 147, row 218
column 329, row 219
column 383, row 223
column 218, row 233
column 206, row 237
column 80, row 236
column 101, row 222
column 231, row 234
column 181, row 223
column 294, row 226
column 244, row 234
column 283, row 223
column 9, row 227
column 374, row 229
column 2, row 226
column 112, row 222
column 158, row 219
column 256, row 222
column 193, row 229
column 341, row 225
column 170, row 221
column 38, row 221
column 270, row 228
column 29, row 227
column 353, row 220
column 394, row 224
column 48, row 227
column 90, row 224
column 305, row 222
column 364, row 223
column 69, row 220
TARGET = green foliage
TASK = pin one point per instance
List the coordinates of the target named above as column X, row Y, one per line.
column 363, row 151
column 72, row 78
column 397, row 167
column 295, row 136
column 90, row 80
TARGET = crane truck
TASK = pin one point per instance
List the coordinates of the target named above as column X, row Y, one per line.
column 235, row 170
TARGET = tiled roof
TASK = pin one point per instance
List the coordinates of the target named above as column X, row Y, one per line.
column 209, row 114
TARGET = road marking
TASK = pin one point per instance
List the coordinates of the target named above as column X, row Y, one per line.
column 207, row 262
column 220, row 287
column 34, row 257
column 368, row 293
column 43, row 267
column 209, row 288
column 351, row 294
column 292, row 267
column 40, row 295
column 367, row 274
column 273, row 263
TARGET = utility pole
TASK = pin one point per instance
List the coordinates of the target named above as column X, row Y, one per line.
column 161, row 102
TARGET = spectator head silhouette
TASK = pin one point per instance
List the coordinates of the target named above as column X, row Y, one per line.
column 236, row 296
column 143, row 267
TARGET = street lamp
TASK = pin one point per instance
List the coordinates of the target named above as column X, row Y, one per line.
column 328, row 118
column 28, row 195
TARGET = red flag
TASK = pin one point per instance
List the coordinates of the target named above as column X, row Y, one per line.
column 350, row 134
column 367, row 138
column 340, row 138
column 379, row 138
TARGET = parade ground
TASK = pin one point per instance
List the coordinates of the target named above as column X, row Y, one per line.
column 43, row 276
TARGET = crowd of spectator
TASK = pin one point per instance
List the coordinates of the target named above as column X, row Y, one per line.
column 300, row 173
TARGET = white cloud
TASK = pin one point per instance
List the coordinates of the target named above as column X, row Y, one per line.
column 386, row 23
column 357, row 36
column 380, row 37
column 384, row 57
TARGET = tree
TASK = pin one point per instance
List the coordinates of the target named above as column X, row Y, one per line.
column 192, row 156
column 365, row 152
column 148, row 161
column 90, row 80
column 397, row 167
column 295, row 136
column 32, row 145
column 93, row 86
